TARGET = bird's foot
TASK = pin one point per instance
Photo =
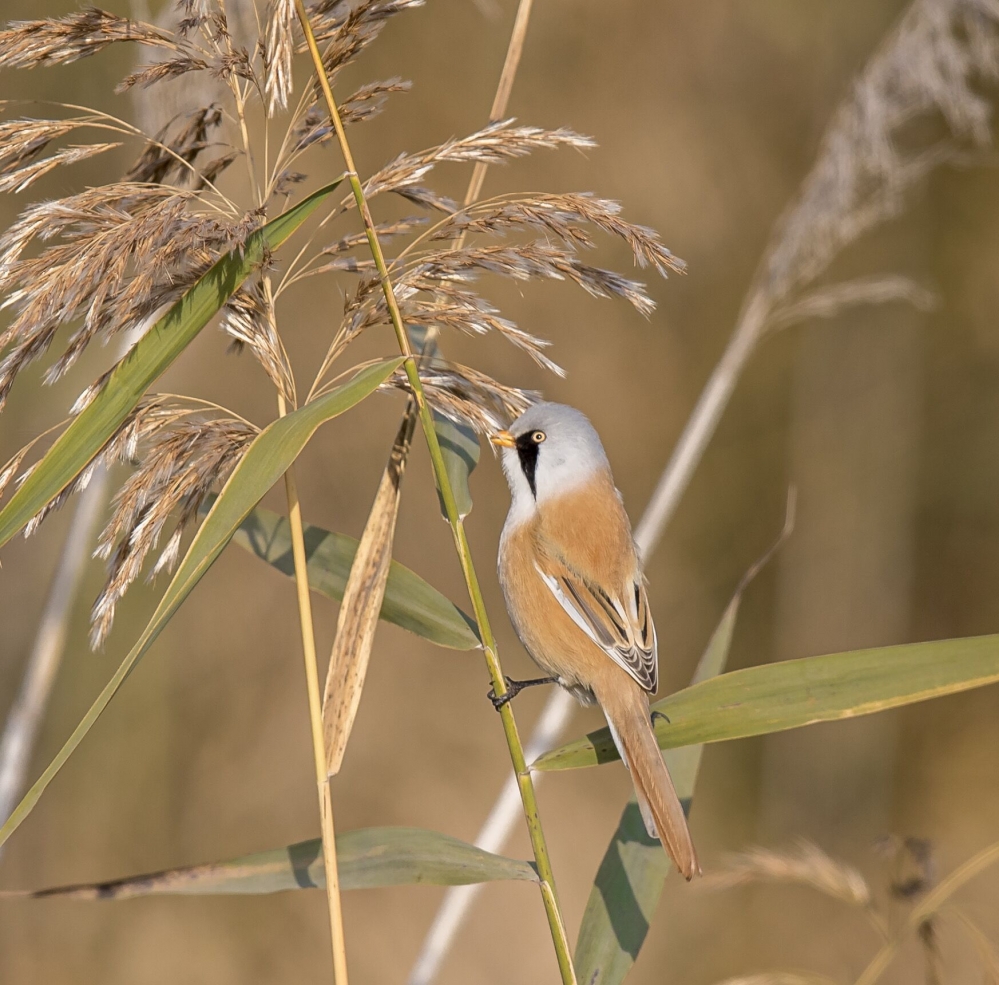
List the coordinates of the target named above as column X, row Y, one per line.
column 513, row 688
column 662, row 715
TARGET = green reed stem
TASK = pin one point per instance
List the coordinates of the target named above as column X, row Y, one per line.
column 524, row 781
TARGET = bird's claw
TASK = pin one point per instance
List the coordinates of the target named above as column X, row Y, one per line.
column 498, row 700
column 513, row 688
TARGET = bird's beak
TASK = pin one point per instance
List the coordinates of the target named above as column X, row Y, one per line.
column 504, row 439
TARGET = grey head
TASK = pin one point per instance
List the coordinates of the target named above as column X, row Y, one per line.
column 549, row 450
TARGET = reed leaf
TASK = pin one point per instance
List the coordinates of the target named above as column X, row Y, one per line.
column 148, row 358
column 368, row 859
column 460, row 450
column 264, row 462
column 630, row 879
column 776, row 697
column 409, row 602
column 362, row 601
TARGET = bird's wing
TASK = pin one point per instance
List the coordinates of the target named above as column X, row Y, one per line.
column 621, row 627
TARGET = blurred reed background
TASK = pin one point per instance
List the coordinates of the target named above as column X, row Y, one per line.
column 708, row 117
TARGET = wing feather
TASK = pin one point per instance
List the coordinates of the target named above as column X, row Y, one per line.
column 625, row 633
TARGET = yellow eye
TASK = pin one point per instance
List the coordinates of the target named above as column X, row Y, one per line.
column 538, row 437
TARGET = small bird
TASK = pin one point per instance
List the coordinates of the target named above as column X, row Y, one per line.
column 574, row 589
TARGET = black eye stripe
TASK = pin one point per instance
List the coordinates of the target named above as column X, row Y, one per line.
column 527, row 451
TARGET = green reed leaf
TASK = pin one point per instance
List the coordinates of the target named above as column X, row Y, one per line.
column 775, row 697
column 630, row 879
column 460, row 450
column 460, row 446
column 410, row 602
column 147, row 359
column 368, row 859
column 263, row 463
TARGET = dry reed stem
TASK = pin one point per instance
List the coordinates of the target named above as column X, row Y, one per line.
column 333, row 900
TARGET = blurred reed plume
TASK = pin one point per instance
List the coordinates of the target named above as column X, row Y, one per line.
column 918, row 104
column 910, row 908
column 806, row 865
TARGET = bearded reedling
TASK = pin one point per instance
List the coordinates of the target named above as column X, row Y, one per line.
column 576, row 596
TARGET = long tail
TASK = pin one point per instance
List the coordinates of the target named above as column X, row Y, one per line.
column 627, row 711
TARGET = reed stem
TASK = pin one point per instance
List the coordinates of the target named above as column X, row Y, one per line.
column 333, row 900
column 524, row 782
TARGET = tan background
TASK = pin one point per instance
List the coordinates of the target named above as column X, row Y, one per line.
column 708, row 116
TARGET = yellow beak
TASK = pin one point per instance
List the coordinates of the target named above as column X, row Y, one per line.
column 503, row 438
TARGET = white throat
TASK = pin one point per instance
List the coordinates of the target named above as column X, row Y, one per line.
column 556, row 451
column 559, row 472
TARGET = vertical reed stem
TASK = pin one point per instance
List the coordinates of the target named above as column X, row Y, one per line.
column 316, row 721
column 333, row 901
column 524, row 782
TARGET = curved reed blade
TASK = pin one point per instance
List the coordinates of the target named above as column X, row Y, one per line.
column 264, row 462
column 409, row 602
column 368, row 859
column 148, row 358
column 786, row 695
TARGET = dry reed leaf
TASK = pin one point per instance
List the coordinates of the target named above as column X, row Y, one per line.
column 362, row 602
column 805, row 865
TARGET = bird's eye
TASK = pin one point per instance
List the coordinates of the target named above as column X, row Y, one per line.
column 538, row 437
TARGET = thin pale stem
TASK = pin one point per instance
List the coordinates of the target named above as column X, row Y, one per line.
column 701, row 424
column 25, row 718
column 316, row 722
column 240, row 100
column 524, row 782
column 502, row 98
column 333, row 900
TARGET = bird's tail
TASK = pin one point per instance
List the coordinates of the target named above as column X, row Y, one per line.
column 627, row 712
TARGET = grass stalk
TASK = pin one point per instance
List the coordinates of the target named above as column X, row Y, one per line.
column 524, row 782
column 333, row 900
